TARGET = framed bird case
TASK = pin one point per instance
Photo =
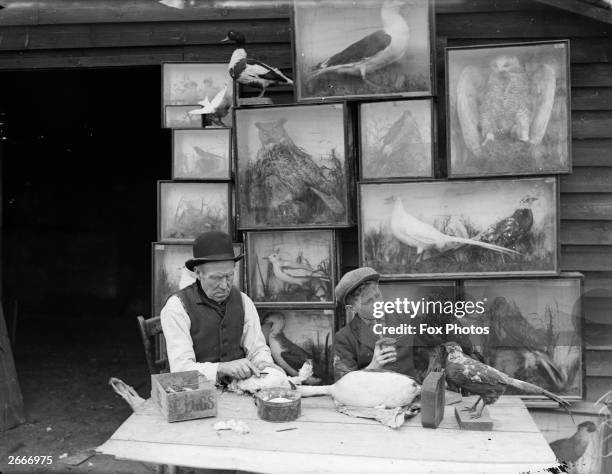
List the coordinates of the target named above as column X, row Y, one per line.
column 374, row 49
column 178, row 116
column 508, row 109
column 188, row 208
column 187, row 84
column 535, row 330
column 202, row 154
column 294, row 166
column 454, row 229
column 396, row 140
column 297, row 267
column 170, row 274
column 297, row 335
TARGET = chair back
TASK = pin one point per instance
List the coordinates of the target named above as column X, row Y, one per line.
column 150, row 332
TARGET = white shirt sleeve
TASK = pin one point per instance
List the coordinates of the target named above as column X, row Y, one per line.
column 253, row 341
column 176, row 324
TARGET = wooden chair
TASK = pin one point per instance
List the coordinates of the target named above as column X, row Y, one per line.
column 150, row 329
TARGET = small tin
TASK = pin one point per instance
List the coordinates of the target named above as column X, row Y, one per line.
column 278, row 404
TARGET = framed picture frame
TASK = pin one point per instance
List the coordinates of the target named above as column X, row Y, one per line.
column 295, row 335
column 189, row 83
column 170, row 274
column 396, row 139
column 508, row 109
column 188, row 208
column 291, row 267
column 535, row 330
column 294, row 166
column 455, row 229
column 371, row 49
column 202, row 154
column 178, row 116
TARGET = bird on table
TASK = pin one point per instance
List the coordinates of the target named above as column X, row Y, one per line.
column 485, row 381
column 293, row 273
column 285, row 352
column 512, row 231
column 217, row 108
column 250, row 72
column 373, row 52
column 415, row 233
column 572, row 449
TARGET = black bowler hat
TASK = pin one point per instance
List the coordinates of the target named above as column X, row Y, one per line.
column 213, row 246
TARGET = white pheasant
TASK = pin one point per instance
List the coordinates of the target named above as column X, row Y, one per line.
column 415, row 233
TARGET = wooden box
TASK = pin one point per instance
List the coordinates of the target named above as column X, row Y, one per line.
column 184, row 395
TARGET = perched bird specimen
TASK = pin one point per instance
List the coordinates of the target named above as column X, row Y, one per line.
column 513, row 231
column 571, row 449
column 485, row 381
column 509, row 102
column 292, row 272
column 286, row 175
column 373, row 52
column 285, row 353
column 207, row 161
column 403, row 133
column 414, row 233
column 216, row 109
column 251, row 72
column 511, row 329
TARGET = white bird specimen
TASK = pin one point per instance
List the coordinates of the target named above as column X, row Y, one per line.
column 179, row 4
column 216, row 108
column 375, row 51
column 415, row 233
column 186, row 278
column 292, row 272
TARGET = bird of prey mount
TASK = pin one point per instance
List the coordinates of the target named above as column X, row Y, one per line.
column 507, row 109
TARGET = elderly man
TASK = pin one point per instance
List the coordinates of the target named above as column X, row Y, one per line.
column 210, row 326
column 357, row 347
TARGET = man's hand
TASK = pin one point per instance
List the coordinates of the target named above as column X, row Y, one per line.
column 237, row 369
column 261, row 365
column 383, row 354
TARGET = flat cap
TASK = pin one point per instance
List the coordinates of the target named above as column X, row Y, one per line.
column 352, row 280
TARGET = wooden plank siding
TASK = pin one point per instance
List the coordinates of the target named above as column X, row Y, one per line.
column 100, row 33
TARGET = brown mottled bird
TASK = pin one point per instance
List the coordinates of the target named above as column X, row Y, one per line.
column 572, row 449
column 485, row 381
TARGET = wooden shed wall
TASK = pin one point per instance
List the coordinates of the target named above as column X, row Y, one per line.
column 66, row 34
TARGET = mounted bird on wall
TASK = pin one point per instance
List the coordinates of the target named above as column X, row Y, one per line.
column 412, row 232
column 250, row 72
column 217, row 108
column 373, row 52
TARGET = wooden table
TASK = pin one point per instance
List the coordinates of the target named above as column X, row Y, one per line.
column 328, row 441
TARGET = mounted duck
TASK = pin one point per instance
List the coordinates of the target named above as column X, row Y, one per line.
column 373, row 52
column 251, row 72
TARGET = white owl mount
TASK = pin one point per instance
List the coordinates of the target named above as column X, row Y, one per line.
column 508, row 109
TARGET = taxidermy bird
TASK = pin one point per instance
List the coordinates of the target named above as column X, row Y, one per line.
column 403, row 133
column 179, row 4
column 572, row 449
column 208, row 161
column 251, row 72
column 373, row 52
column 286, row 175
column 512, row 330
column 285, row 353
column 186, row 279
column 507, row 102
column 485, row 381
column 292, row 272
column 512, row 231
column 415, row 233
column 215, row 109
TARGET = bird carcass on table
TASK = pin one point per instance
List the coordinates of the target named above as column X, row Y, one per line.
column 271, row 378
column 380, row 394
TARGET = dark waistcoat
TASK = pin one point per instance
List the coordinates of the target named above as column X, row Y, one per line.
column 216, row 330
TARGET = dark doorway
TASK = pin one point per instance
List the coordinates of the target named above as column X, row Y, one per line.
column 82, row 154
